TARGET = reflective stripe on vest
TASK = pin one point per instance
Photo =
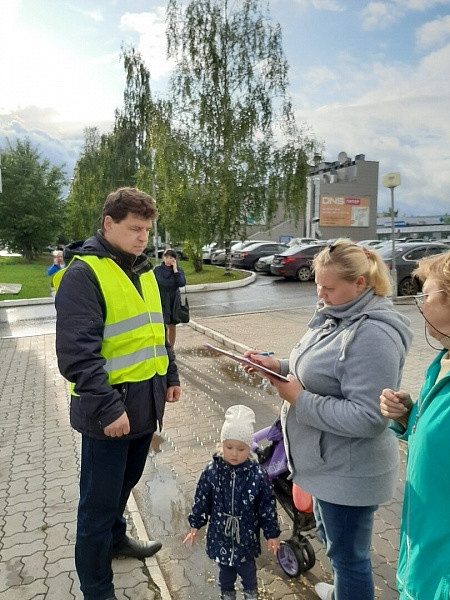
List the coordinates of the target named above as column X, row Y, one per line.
column 134, row 337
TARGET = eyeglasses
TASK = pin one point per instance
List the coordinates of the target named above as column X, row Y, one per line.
column 419, row 299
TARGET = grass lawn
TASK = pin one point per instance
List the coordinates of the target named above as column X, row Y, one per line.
column 36, row 284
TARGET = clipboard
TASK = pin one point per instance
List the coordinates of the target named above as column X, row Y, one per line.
column 242, row 359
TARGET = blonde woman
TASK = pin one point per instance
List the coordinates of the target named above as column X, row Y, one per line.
column 339, row 447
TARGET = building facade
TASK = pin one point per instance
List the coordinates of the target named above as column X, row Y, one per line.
column 342, row 199
column 427, row 228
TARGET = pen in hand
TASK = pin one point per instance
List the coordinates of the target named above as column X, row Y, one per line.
column 265, row 354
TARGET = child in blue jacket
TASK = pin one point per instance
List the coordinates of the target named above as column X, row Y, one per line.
column 234, row 491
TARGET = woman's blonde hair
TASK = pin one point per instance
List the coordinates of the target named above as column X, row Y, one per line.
column 436, row 267
column 352, row 261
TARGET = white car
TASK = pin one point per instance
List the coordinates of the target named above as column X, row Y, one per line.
column 263, row 264
column 218, row 256
column 207, row 251
column 297, row 241
column 371, row 244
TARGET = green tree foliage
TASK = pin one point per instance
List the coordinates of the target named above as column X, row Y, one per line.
column 31, row 205
column 88, row 188
column 174, row 175
column 388, row 213
column 230, row 97
column 112, row 160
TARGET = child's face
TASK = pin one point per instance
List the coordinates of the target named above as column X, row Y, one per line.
column 235, row 452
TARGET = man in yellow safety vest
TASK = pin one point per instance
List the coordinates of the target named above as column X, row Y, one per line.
column 110, row 344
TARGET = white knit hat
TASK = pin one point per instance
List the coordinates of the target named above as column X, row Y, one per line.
column 239, row 422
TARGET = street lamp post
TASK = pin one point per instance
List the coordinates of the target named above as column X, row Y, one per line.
column 391, row 181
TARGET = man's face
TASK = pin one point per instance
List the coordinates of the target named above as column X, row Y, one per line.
column 129, row 235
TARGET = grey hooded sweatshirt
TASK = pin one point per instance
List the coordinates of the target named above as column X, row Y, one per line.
column 338, row 445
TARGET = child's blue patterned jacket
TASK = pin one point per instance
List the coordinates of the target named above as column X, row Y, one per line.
column 239, row 501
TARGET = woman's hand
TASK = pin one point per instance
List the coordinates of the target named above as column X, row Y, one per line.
column 288, row 390
column 190, row 537
column 259, row 359
column 396, row 405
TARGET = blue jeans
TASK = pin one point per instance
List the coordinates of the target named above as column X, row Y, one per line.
column 246, row 571
column 347, row 534
column 109, row 471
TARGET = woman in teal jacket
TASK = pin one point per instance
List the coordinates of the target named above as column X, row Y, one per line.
column 424, row 561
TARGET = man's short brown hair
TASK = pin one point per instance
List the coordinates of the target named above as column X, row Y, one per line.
column 129, row 200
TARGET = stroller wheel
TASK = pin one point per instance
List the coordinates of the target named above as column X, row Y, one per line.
column 296, row 557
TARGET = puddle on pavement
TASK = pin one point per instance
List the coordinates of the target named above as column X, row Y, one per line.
column 164, row 498
column 195, row 351
column 229, row 368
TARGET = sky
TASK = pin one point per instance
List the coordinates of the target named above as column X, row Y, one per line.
column 366, row 77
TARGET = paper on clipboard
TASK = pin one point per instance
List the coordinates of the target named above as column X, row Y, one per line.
column 242, row 359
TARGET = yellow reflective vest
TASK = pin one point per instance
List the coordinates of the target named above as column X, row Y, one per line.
column 134, row 336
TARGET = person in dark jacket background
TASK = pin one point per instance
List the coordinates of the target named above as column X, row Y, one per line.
column 235, row 493
column 170, row 278
column 110, row 344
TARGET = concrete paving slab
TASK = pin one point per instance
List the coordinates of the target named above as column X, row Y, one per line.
column 39, row 482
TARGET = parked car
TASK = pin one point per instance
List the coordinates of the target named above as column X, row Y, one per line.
column 247, row 257
column 406, row 257
column 296, row 262
column 177, row 247
column 297, row 241
column 371, row 244
column 218, row 256
column 264, row 263
column 207, row 251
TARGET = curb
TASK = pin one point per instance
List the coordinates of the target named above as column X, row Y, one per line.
column 208, row 287
column 151, row 563
column 201, row 287
column 219, row 337
column 26, row 302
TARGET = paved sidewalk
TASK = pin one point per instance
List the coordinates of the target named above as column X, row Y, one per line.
column 39, row 484
column 40, row 462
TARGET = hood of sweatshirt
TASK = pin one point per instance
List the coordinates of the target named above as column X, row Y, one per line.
column 352, row 314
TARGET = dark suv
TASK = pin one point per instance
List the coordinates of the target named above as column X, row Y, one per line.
column 406, row 257
column 249, row 256
column 295, row 262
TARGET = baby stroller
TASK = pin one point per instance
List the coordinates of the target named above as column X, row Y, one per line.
column 296, row 555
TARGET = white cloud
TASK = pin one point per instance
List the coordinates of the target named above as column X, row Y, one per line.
column 94, row 15
column 316, row 77
column 151, row 28
column 327, row 5
column 10, row 13
column 54, row 76
column 434, row 33
column 398, row 116
column 333, row 5
column 420, row 4
column 379, row 15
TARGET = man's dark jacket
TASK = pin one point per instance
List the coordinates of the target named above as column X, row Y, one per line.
column 80, row 309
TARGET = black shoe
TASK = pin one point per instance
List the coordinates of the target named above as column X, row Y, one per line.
column 111, row 598
column 135, row 549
